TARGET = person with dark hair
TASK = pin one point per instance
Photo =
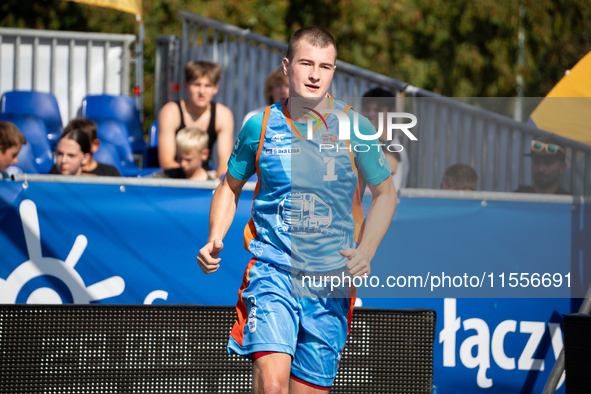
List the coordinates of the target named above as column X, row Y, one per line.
column 295, row 337
column 72, row 152
column 459, row 177
column 547, row 165
column 11, row 141
column 276, row 89
column 378, row 101
column 92, row 167
column 197, row 110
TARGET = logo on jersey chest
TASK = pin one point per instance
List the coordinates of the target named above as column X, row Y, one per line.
column 278, row 137
column 328, row 138
column 282, row 151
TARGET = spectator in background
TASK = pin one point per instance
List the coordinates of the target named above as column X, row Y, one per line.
column 460, row 177
column 92, row 167
column 197, row 110
column 73, row 152
column 276, row 90
column 191, row 145
column 547, row 165
column 374, row 102
column 11, row 141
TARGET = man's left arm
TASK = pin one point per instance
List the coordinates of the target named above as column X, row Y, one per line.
column 378, row 220
column 374, row 168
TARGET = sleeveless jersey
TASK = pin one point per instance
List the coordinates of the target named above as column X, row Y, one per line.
column 307, row 202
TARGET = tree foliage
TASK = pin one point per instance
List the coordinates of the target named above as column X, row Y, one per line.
column 461, row 48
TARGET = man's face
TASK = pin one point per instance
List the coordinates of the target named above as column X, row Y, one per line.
column 201, row 90
column 371, row 110
column 546, row 171
column 9, row 157
column 311, row 70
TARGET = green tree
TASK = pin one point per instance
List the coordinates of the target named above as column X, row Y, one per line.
column 463, row 48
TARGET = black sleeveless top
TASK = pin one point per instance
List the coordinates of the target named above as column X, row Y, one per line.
column 210, row 130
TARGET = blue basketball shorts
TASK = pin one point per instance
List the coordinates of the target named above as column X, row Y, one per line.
column 312, row 330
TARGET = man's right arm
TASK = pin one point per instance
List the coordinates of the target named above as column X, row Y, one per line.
column 241, row 166
column 221, row 215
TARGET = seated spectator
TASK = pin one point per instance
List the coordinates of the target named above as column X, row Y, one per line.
column 374, row 102
column 460, row 177
column 197, row 110
column 92, row 167
column 547, row 165
column 276, row 90
column 73, row 152
column 191, row 145
column 11, row 141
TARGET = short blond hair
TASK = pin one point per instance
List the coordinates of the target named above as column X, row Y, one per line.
column 191, row 138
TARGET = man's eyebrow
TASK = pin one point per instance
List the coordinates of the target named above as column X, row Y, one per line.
column 312, row 61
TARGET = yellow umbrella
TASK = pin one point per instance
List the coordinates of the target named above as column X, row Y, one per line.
column 131, row 6
column 569, row 117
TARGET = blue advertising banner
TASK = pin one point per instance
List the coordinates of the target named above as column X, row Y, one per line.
column 132, row 243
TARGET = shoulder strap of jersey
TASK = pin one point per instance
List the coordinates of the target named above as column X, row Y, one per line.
column 262, row 139
column 250, row 231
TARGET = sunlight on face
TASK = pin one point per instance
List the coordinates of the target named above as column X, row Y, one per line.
column 311, row 70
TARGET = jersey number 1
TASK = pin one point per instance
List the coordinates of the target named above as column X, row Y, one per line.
column 330, row 167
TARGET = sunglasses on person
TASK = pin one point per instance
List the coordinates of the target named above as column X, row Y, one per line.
column 551, row 149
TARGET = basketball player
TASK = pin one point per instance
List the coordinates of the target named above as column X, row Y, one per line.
column 295, row 344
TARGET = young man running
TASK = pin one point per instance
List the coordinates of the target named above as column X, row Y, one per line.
column 307, row 217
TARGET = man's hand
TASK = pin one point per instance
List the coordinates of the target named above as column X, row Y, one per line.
column 358, row 263
column 208, row 256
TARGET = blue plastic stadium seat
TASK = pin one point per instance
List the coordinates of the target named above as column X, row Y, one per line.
column 107, row 154
column 115, row 133
column 35, row 156
column 43, row 105
column 151, row 151
column 120, row 108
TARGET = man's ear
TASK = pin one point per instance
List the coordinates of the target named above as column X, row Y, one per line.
column 285, row 64
column 216, row 89
column 95, row 145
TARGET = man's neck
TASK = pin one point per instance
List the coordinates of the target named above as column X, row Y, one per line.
column 546, row 190
column 194, row 110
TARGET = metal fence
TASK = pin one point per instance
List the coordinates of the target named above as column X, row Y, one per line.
column 70, row 65
column 448, row 130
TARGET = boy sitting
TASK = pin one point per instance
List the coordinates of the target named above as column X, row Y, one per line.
column 11, row 141
column 191, row 147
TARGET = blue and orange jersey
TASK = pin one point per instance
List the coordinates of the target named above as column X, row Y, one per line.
column 307, row 202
